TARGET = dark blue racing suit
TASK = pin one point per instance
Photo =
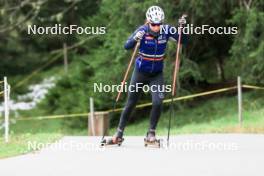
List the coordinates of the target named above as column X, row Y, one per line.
column 148, row 71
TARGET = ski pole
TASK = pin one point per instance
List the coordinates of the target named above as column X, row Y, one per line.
column 176, row 70
column 123, row 82
column 127, row 71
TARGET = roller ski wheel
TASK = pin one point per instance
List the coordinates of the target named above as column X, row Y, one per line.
column 156, row 143
column 151, row 140
column 112, row 142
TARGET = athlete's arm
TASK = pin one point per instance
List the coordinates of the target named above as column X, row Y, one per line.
column 136, row 36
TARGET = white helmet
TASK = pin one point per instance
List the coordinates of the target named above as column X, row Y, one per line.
column 155, row 14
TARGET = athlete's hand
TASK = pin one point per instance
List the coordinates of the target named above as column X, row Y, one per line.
column 139, row 35
column 182, row 21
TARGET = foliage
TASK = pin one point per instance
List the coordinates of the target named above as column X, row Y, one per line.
column 247, row 50
column 207, row 59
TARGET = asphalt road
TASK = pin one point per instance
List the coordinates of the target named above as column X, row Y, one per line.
column 188, row 155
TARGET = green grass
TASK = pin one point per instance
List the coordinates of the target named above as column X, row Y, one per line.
column 216, row 115
column 39, row 131
column 19, row 143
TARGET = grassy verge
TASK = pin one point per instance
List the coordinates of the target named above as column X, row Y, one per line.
column 18, row 144
column 34, row 131
column 217, row 115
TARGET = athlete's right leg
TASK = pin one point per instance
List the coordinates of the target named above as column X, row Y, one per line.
column 133, row 96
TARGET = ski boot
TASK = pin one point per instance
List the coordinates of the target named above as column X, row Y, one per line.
column 117, row 139
column 151, row 140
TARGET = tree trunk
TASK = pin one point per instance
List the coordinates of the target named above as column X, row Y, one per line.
column 220, row 69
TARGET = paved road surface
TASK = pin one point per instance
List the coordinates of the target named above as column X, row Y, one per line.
column 188, row 155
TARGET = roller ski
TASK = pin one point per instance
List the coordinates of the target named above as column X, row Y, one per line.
column 117, row 139
column 151, row 140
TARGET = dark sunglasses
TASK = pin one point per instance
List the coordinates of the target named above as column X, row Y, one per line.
column 152, row 24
